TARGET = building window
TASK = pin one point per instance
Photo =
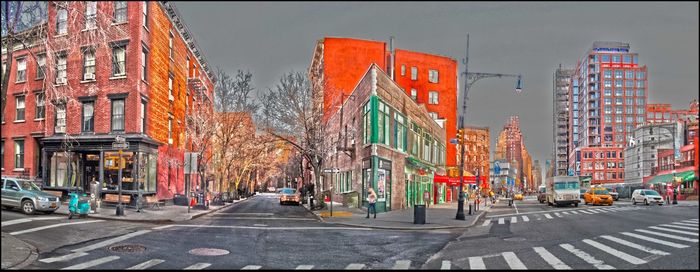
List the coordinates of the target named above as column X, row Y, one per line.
column 626, row 59
column 89, row 65
column 400, row 132
column 629, row 83
column 119, row 60
column 616, row 58
column 618, row 109
column 61, row 74
column 19, row 154
column 414, row 94
column 21, row 70
column 629, row 74
column 170, row 130
column 2, row 154
column 433, row 115
column 629, row 100
column 608, row 101
column 60, row 119
column 367, row 123
column 640, row 101
column 143, row 117
column 170, row 45
column 61, row 21
column 608, row 92
column 41, row 66
column 640, row 92
column 403, row 70
column 88, row 116
column 607, row 74
column 426, row 147
column 640, row 75
column 433, row 76
column 608, row 109
column 608, row 83
column 414, row 73
column 383, row 123
column 618, row 92
column 618, row 83
column 145, row 14
column 118, row 115
column 19, row 110
column 144, row 63
column 433, row 97
column 629, row 109
column 40, row 106
column 640, row 84
column 187, row 68
column 90, row 15
column 120, row 11
column 170, row 87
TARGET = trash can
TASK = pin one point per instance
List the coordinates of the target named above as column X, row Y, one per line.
column 419, row 214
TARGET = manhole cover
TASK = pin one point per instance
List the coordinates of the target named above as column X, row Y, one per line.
column 514, row 239
column 208, row 251
column 127, row 248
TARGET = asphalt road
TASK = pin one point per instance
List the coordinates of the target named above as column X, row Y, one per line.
column 256, row 234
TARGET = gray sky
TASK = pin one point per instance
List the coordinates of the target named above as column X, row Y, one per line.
column 530, row 38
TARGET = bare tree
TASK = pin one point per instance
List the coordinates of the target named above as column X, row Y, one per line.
column 294, row 114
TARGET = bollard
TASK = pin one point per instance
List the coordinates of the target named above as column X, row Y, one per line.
column 470, row 209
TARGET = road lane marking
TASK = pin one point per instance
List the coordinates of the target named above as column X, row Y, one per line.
column 64, row 257
column 565, row 213
column 513, row 220
column 198, row 266
column 111, row 241
column 486, row 223
column 680, row 227
column 146, row 264
column 304, row 267
column 25, row 220
column 685, row 224
column 260, row 225
column 402, row 264
column 586, row 212
column 654, row 240
column 476, row 263
column 574, row 212
column 587, row 258
column 270, row 218
column 446, row 265
column 633, row 245
column 551, row 259
column 548, row 216
column 269, row 228
column 526, row 219
column 91, row 263
column 668, row 235
column 355, row 266
column 254, row 213
column 690, row 221
column 501, row 221
column 53, row 226
column 513, row 260
column 624, row 256
column 557, row 214
column 673, row 230
column 594, row 211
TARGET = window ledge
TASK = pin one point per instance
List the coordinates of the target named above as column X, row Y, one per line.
column 39, row 78
column 117, row 77
column 18, row 170
column 146, row 28
column 57, row 85
column 88, row 81
column 119, row 23
column 60, row 35
column 18, row 82
column 88, row 29
column 39, row 119
column 19, row 121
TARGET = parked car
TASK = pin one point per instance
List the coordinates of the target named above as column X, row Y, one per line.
column 542, row 194
column 289, row 195
column 615, row 195
column 518, row 196
column 646, row 196
column 24, row 194
column 598, row 195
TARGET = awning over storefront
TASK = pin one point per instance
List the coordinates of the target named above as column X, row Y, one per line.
column 667, row 178
column 455, row 181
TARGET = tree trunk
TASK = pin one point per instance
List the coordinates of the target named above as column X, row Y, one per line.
column 319, row 190
column 8, row 67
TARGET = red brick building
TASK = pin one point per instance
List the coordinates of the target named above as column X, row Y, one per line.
column 663, row 113
column 603, row 164
column 128, row 69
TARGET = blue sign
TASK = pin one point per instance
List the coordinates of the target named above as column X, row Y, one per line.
column 571, row 172
column 496, row 168
column 454, row 141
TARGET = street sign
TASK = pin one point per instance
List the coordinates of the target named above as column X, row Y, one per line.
column 497, row 168
column 117, row 145
column 190, row 162
column 454, row 141
column 334, row 170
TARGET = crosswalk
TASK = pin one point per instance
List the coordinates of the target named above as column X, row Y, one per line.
column 610, row 251
column 613, row 251
column 502, row 219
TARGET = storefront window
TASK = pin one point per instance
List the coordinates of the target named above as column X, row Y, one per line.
column 59, row 170
column 111, row 171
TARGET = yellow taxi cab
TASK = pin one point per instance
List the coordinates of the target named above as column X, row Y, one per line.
column 598, row 195
column 518, row 196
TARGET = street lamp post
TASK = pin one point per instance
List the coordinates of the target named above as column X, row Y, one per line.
column 470, row 79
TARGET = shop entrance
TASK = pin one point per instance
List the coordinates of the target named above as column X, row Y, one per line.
column 91, row 170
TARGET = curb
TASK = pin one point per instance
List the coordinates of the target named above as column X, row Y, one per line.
column 33, row 256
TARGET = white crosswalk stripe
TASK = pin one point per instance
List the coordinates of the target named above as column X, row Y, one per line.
column 53, row 226
column 676, row 231
column 685, row 224
column 624, row 256
column 304, row 267
column 680, row 227
column 574, row 212
column 586, row 212
column 567, row 213
column 251, row 267
column 402, row 264
column 654, row 240
column 486, row 223
column 557, row 214
column 513, row 261
column 92, row 263
column 633, row 245
column 690, row 221
column 64, row 257
column 354, row 266
column 476, row 263
column 501, row 221
column 668, row 235
column 551, row 259
column 594, row 211
column 513, row 220
column 25, row 220
column 446, row 265
column 199, row 266
column 587, row 258
column 146, row 264
column 548, row 216
column 525, row 218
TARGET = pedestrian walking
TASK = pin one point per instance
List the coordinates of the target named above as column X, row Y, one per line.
column 426, row 198
column 372, row 199
column 669, row 194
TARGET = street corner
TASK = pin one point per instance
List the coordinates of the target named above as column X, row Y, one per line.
column 16, row 253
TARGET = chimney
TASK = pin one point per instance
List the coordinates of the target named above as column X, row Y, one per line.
column 391, row 60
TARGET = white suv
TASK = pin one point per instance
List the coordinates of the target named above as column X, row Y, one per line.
column 646, row 196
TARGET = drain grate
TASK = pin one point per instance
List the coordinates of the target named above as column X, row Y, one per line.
column 203, row 251
column 127, row 248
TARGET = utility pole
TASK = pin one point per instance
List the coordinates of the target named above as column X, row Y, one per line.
column 470, row 79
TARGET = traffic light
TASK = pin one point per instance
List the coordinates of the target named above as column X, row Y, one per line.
column 460, row 136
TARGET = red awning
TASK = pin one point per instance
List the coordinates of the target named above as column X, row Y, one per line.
column 455, row 181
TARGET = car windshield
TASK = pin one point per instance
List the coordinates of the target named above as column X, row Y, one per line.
column 29, row 186
column 601, row 191
column 543, row 190
column 566, row 185
column 650, row 192
column 288, row 191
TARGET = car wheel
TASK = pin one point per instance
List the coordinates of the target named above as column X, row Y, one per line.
column 634, row 202
column 28, row 207
column 646, row 202
column 70, row 215
column 575, row 204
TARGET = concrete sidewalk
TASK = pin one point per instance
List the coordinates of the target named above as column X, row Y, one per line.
column 440, row 216
column 16, row 253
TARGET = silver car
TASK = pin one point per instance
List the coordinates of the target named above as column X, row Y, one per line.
column 24, row 194
column 647, row 197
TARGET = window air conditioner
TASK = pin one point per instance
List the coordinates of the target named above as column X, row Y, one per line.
column 89, row 76
column 61, row 80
